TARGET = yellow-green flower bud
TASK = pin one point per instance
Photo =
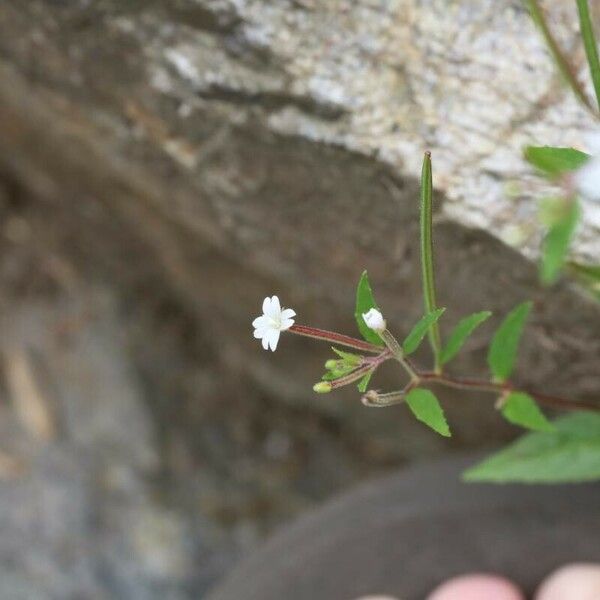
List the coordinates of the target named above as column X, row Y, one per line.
column 323, row 387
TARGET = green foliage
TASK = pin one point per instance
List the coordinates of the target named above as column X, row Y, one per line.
column 426, row 408
column 554, row 162
column 566, row 70
column 502, row 353
column 364, row 382
column 521, row 409
column 590, row 45
column 589, row 276
column 348, row 357
column 338, row 368
column 570, row 453
column 556, row 243
column 365, row 302
column 427, row 272
column 419, row 331
column 460, row 334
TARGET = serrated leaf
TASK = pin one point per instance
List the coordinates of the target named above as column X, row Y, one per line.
column 426, row 408
column 555, row 161
column 419, row 331
column 570, row 453
column 460, row 334
column 521, row 409
column 364, row 382
column 365, row 302
column 348, row 357
column 505, row 343
column 557, row 242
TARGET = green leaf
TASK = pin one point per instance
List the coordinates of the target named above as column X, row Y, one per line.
column 419, row 331
column 505, row 343
column 364, row 382
column 348, row 357
column 336, row 373
column 364, row 303
column 567, row 71
column 570, row 453
column 426, row 238
column 589, row 43
column 460, row 334
column 425, row 406
column 555, row 161
column 521, row 409
column 557, row 242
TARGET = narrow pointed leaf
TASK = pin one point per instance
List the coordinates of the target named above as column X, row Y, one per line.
column 460, row 334
column 426, row 408
column 566, row 70
column 521, row 409
column 555, row 161
column 365, row 302
column 364, row 382
column 505, row 343
column 337, row 373
column 427, row 271
column 589, row 43
column 557, row 242
column 419, row 331
column 348, row 357
column 569, row 453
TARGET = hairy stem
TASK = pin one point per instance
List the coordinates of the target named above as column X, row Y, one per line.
column 396, row 350
column 335, row 338
column 482, row 385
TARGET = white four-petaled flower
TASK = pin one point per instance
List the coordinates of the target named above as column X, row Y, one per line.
column 374, row 320
column 272, row 322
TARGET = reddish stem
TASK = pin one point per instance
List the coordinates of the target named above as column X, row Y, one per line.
column 499, row 388
column 335, row 338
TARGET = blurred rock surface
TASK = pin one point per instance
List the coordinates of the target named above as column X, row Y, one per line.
column 164, row 166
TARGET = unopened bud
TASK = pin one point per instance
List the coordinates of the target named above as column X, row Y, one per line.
column 332, row 364
column 374, row 320
column 323, row 387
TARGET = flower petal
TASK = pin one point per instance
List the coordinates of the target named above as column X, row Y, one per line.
column 266, row 305
column 273, row 339
column 265, row 342
column 286, row 324
column 260, row 322
column 287, row 313
column 260, row 333
column 274, row 308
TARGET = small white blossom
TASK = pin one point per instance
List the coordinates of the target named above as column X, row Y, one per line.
column 272, row 322
column 587, row 178
column 374, row 320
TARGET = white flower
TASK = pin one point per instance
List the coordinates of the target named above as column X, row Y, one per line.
column 587, row 178
column 374, row 320
column 272, row 322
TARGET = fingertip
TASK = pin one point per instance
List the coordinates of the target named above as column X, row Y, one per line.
column 476, row 587
column 578, row 580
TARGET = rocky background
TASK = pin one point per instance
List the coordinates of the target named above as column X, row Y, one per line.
column 164, row 165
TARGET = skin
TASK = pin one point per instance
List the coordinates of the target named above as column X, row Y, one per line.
column 579, row 580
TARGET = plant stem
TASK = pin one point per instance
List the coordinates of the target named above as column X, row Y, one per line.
column 396, row 350
column 427, row 256
column 482, row 385
column 335, row 338
column 369, row 364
